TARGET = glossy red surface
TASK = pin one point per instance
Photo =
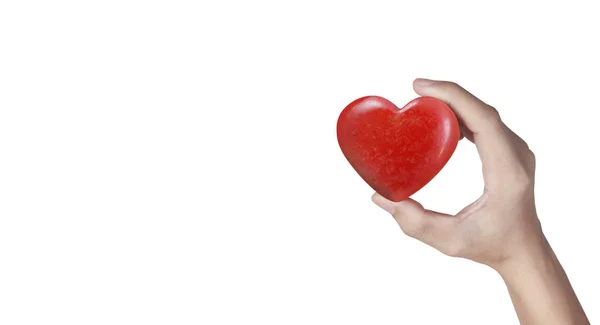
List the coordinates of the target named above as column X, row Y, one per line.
column 397, row 151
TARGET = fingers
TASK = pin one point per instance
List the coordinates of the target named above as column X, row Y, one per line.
column 435, row 229
column 476, row 115
column 479, row 122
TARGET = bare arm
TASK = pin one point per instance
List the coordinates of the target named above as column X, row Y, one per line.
column 501, row 229
column 540, row 290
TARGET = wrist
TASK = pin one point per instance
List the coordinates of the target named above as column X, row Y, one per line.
column 535, row 255
column 539, row 287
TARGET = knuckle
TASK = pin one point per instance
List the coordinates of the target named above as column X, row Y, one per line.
column 412, row 228
column 530, row 159
column 523, row 182
column 454, row 249
column 531, row 155
column 414, row 231
column 450, row 86
column 492, row 115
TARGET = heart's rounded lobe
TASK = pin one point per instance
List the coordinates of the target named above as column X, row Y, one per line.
column 397, row 151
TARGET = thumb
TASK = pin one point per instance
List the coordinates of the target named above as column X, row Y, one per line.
column 433, row 228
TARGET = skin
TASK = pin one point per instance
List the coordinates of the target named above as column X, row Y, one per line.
column 501, row 229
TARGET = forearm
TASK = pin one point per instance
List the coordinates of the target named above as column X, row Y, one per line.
column 540, row 290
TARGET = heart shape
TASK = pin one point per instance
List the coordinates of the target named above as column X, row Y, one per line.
column 397, row 151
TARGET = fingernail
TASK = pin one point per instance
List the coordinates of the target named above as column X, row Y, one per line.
column 383, row 203
column 423, row 82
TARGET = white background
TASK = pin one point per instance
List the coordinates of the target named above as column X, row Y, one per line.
column 176, row 162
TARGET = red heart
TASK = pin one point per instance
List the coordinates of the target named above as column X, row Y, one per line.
column 397, row 151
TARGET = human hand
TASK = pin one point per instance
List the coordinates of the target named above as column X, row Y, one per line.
column 502, row 225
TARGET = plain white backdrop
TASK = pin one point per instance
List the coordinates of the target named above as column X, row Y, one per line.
column 176, row 162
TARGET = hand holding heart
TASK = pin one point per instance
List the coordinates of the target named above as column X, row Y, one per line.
column 501, row 226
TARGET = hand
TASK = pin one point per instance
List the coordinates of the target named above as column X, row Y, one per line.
column 501, row 228
column 502, row 224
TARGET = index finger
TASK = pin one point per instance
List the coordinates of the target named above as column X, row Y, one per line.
column 489, row 134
